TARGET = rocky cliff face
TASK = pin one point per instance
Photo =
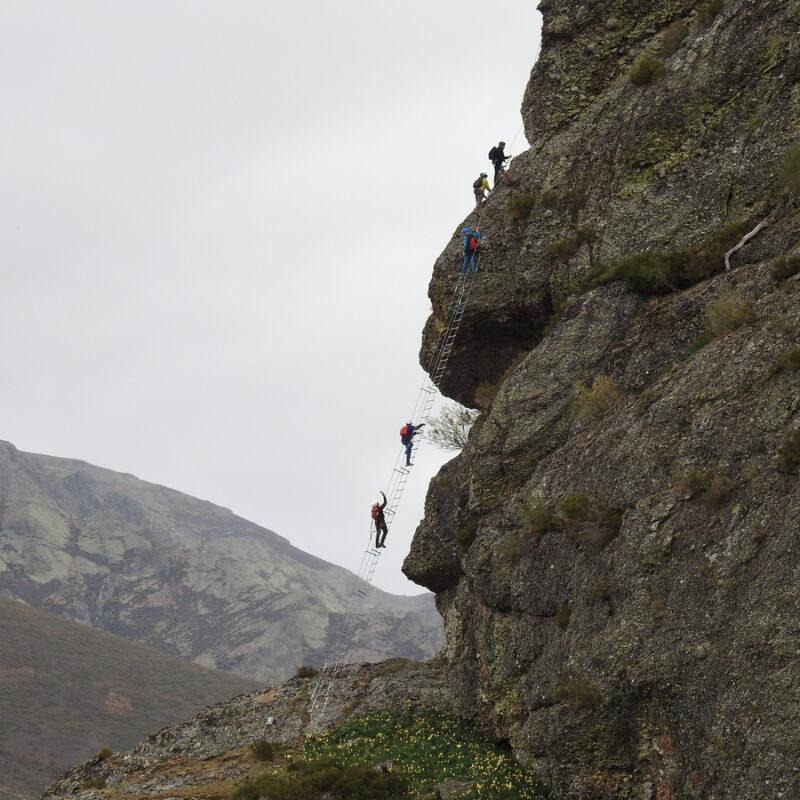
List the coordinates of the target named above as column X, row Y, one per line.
column 616, row 552
column 182, row 575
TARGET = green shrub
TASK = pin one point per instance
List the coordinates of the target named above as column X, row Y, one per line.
column 95, row 783
column 589, row 520
column 263, row 750
column 536, row 518
column 306, row 780
column 789, row 451
column 510, row 550
column 709, row 10
column 466, row 535
column 601, row 399
column 548, row 199
column 785, row 267
column 790, row 176
column 727, row 313
column 575, row 692
column 519, row 206
column 673, row 36
column 305, row 672
column 105, row 754
column 708, row 486
column 661, row 273
column 787, row 360
column 645, row 70
column 564, row 249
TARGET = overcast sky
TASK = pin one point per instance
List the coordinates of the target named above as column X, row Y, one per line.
column 217, row 226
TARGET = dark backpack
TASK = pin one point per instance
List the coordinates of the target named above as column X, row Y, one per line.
column 494, row 153
column 376, row 511
column 478, row 184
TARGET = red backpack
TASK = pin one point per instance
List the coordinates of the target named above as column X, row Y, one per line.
column 376, row 510
column 404, row 431
column 472, row 245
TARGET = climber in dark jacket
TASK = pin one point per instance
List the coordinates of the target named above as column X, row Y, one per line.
column 407, row 434
column 380, row 522
column 497, row 156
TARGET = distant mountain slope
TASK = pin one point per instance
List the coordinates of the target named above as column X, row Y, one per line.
column 183, row 575
column 67, row 690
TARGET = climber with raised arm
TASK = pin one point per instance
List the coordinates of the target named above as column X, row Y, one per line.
column 380, row 522
column 472, row 243
column 480, row 186
column 407, row 434
column 497, row 156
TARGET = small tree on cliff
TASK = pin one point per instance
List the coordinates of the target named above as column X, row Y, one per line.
column 450, row 429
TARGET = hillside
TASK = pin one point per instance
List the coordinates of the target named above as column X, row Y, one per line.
column 182, row 575
column 615, row 551
column 66, row 691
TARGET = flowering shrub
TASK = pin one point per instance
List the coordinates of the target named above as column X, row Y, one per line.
column 427, row 748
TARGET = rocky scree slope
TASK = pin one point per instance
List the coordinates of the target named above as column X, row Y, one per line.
column 67, row 691
column 615, row 552
column 207, row 756
column 182, row 575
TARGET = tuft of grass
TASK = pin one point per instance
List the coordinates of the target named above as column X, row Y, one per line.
column 105, row 754
column 789, row 452
column 466, row 535
column 589, row 520
column 575, row 692
column 787, row 360
column 661, row 273
column 308, row 780
column 263, row 750
column 729, row 312
column 536, row 518
column 95, row 783
column 519, row 206
column 673, row 37
column 709, row 10
column 708, row 486
column 566, row 248
column 784, row 268
column 790, row 175
column 548, row 199
column 595, row 402
column 510, row 550
column 306, row 672
column 645, row 70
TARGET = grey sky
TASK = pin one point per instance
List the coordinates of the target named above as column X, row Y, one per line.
column 218, row 222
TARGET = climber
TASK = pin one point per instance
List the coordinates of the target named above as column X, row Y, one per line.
column 380, row 522
column 407, row 434
column 497, row 157
column 480, row 186
column 472, row 242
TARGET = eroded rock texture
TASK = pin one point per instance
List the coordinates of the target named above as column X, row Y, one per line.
column 620, row 574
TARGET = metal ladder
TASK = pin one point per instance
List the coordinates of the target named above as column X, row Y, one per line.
column 337, row 658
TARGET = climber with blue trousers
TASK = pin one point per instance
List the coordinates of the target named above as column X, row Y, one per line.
column 407, row 434
column 472, row 241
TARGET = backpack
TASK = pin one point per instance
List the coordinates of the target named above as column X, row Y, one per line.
column 376, row 511
column 493, row 154
column 478, row 184
column 472, row 245
column 405, row 430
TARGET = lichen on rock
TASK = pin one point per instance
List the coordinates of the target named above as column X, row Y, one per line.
column 631, row 648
